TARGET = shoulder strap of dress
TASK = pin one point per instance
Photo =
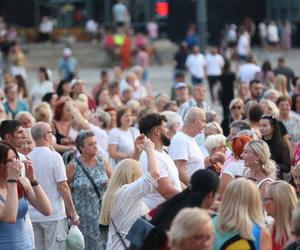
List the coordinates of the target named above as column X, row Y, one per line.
column 263, row 180
column 246, row 172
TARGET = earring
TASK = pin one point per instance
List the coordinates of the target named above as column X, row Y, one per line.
column 256, row 162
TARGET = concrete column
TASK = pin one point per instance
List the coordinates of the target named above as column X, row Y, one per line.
column 201, row 17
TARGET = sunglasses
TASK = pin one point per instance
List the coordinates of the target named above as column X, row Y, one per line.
column 236, row 107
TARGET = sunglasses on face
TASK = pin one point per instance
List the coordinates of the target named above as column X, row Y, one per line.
column 236, row 107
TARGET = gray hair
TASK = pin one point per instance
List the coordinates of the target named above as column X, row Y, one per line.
column 270, row 92
column 214, row 141
column 241, row 125
column 213, row 125
column 103, row 116
column 20, row 114
column 172, row 118
column 39, row 130
column 82, row 135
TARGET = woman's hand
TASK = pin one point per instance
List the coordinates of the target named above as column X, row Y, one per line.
column 29, row 171
column 14, row 169
column 148, row 145
column 138, row 144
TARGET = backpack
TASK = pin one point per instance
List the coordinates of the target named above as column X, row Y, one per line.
column 238, row 243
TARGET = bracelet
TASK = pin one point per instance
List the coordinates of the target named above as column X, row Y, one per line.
column 11, row 181
column 76, row 218
column 34, row 183
column 211, row 161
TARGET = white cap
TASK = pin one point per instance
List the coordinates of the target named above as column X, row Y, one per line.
column 67, row 52
column 181, row 85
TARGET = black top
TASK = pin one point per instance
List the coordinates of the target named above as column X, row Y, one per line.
column 280, row 153
column 227, row 81
column 180, row 58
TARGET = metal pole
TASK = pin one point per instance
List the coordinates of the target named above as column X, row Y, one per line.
column 201, row 14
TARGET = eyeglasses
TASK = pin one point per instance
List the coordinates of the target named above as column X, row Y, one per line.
column 50, row 132
column 236, row 107
column 265, row 199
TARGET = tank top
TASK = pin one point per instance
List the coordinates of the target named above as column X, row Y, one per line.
column 15, row 236
column 258, row 183
column 233, row 240
column 58, row 135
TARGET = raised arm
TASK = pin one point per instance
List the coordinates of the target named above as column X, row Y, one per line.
column 34, row 192
column 9, row 210
column 153, row 170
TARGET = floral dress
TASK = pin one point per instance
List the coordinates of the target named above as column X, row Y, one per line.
column 87, row 203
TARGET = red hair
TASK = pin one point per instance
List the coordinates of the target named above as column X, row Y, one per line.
column 238, row 145
column 59, row 109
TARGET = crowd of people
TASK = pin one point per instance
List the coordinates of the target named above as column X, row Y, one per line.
column 102, row 159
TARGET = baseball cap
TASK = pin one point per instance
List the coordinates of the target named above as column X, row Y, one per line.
column 181, row 85
column 67, row 52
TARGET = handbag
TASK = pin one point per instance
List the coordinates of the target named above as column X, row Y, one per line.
column 142, row 235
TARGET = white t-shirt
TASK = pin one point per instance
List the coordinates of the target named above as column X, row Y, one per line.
column 46, row 27
column 273, row 35
column 247, row 72
column 195, row 64
column 49, row 169
column 38, row 90
column 167, row 168
column 123, row 139
column 185, row 147
column 243, row 46
column 119, row 12
column 235, row 168
column 214, row 64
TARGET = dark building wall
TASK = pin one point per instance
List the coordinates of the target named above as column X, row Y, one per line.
column 219, row 12
column 20, row 12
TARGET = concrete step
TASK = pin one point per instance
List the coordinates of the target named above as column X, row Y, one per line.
column 89, row 55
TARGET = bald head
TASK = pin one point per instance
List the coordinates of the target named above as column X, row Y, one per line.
column 193, row 113
column 194, row 121
column 39, row 130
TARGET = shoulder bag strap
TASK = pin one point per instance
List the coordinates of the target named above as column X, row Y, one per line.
column 90, row 178
column 119, row 235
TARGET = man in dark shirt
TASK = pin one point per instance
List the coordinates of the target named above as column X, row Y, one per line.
column 282, row 69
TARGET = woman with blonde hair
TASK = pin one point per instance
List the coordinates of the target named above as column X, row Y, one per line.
column 240, row 220
column 281, row 84
column 191, row 229
column 261, row 169
column 123, row 203
column 295, row 229
column 279, row 201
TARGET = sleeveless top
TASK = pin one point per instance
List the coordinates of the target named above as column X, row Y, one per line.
column 233, row 241
column 259, row 183
column 15, row 236
column 57, row 134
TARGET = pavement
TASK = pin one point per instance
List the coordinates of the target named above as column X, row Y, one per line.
column 161, row 75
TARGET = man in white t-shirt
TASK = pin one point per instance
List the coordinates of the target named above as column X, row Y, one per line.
column 50, row 232
column 195, row 64
column 120, row 13
column 154, row 127
column 247, row 71
column 243, row 46
column 184, row 149
column 214, row 63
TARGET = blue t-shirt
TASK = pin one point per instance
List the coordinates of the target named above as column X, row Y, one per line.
column 21, row 106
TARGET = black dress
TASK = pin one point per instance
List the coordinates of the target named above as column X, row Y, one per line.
column 227, row 93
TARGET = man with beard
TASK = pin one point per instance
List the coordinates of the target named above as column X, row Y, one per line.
column 154, row 126
column 184, row 149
